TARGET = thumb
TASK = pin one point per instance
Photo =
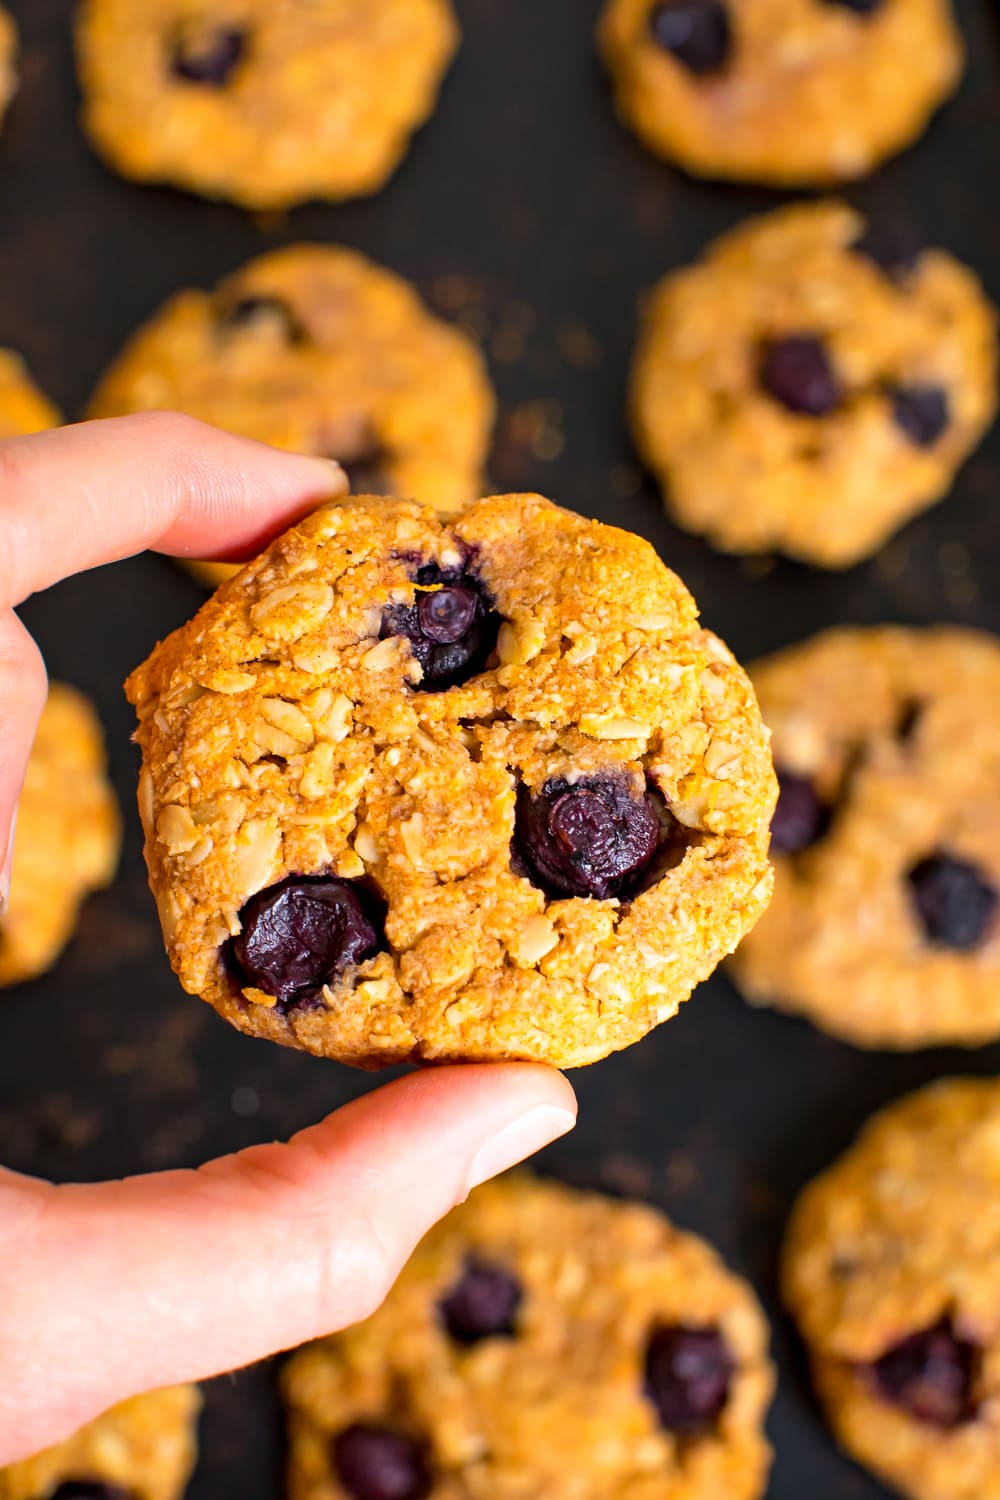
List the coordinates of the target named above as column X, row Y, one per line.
column 117, row 1288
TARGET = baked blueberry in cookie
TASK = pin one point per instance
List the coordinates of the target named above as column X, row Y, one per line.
column 592, row 837
column 482, row 1303
column 451, row 626
column 688, row 1374
column 208, row 56
column 930, row 1375
column 379, row 1463
column 800, row 818
column 696, row 32
column 957, row 905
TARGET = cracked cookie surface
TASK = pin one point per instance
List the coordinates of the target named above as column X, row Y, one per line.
column 890, row 1270
column 143, row 1449
column 812, row 383
column 342, row 735
column 266, row 105
column 885, row 924
column 542, row 1342
column 786, row 92
column 8, row 60
column 318, row 350
column 66, row 839
column 23, row 408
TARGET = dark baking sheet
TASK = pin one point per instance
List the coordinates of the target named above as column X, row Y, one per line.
column 528, row 210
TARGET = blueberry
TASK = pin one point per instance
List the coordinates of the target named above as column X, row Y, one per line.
column 256, row 312
column 90, row 1489
column 800, row 818
column 921, row 411
column 589, row 838
column 482, row 1304
column 797, row 372
column 696, row 32
column 955, row 902
column 930, row 1375
column 209, row 59
column 688, row 1374
column 451, row 626
column 300, row 934
column 892, row 245
column 379, row 1463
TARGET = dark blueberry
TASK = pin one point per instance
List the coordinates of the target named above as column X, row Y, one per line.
column 379, row 1463
column 955, row 902
column 90, row 1489
column 251, row 312
column 800, row 818
column 921, row 411
column 300, row 934
column 688, row 1373
column 892, row 245
column 482, row 1304
column 367, row 472
column 209, row 59
column 591, row 838
column 930, row 1375
column 697, row 32
column 451, row 626
column 797, row 372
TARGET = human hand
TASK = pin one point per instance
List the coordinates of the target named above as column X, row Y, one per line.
column 115, row 1288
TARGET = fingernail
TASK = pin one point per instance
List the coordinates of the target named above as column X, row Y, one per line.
column 521, row 1138
column 5, row 865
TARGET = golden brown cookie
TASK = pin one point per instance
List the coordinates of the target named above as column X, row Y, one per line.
column 446, row 788
column 66, row 839
column 541, row 1342
column 892, row 1271
column 264, row 104
column 142, row 1450
column 787, row 92
column 8, row 60
column 812, row 383
column 885, row 924
column 318, row 350
column 23, row 408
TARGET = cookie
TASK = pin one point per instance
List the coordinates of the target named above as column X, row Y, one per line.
column 265, row 105
column 23, row 408
column 812, row 383
column 885, row 924
column 479, row 788
column 142, row 1450
column 891, row 1272
column 8, row 60
column 785, row 92
column 320, row 351
column 541, row 1342
column 66, row 839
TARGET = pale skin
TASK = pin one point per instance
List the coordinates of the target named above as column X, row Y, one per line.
column 116, row 1288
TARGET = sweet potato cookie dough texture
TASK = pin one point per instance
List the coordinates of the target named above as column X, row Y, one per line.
column 142, row 1450
column 786, row 92
column 267, row 104
column 67, row 836
column 23, row 408
column 885, row 924
column 541, row 1342
column 479, row 788
column 890, row 1270
column 8, row 60
column 812, row 383
column 318, row 350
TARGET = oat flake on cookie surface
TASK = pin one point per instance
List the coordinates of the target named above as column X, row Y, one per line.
column 451, row 788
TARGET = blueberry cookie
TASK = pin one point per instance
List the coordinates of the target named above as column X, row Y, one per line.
column 812, row 383
column 317, row 350
column 467, row 788
column 541, row 1342
column 784, row 92
column 8, row 60
column 267, row 105
column 66, row 839
column 885, row 924
column 891, row 1271
column 141, row 1450
column 23, row 408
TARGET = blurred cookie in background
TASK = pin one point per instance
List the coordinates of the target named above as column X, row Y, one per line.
column 143, row 1449
column 785, row 92
column 885, row 924
column 814, row 381
column 541, row 1342
column 892, row 1273
column 267, row 105
column 318, row 350
column 66, row 837
column 23, row 408
column 8, row 60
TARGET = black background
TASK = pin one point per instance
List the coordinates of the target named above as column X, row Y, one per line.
column 525, row 189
